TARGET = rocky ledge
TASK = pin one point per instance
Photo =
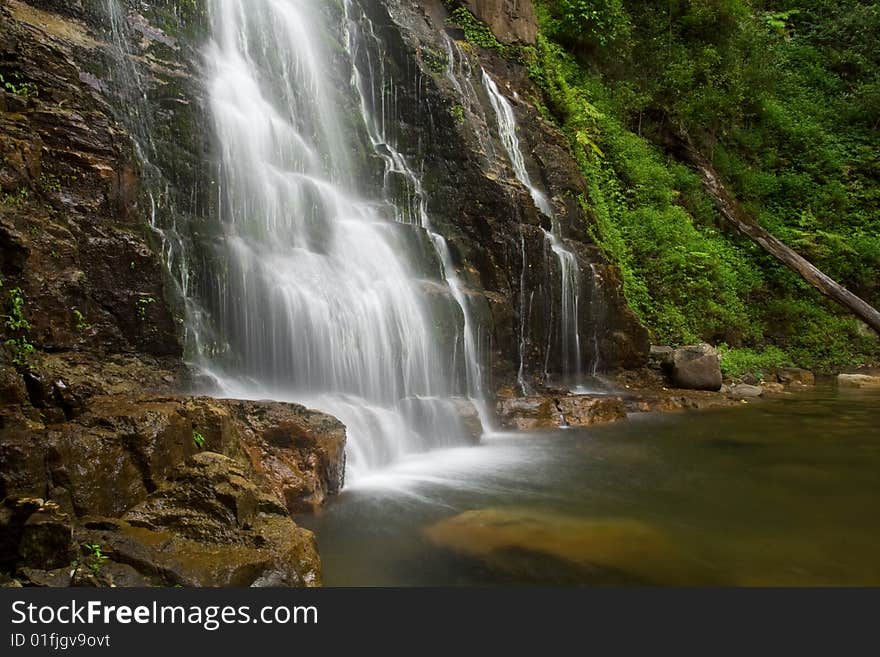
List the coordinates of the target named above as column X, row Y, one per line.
column 165, row 490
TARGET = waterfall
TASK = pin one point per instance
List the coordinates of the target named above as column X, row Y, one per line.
column 373, row 84
column 315, row 285
column 571, row 367
column 460, row 74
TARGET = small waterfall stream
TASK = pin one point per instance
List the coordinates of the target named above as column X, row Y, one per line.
column 571, row 367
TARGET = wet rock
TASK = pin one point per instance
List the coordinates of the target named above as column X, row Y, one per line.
column 858, row 381
column 746, row 391
column 120, row 448
column 209, row 526
column 696, row 367
column 57, row 578
column 14, row 513
column 795, row 376
column 552, row 411
column 46, row 539
column 672, row 401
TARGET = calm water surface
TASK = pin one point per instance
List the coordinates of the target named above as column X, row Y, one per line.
column 775, row 493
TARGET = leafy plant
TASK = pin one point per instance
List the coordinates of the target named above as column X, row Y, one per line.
column 16, row 322
column 80, row 321
column 143, row 304
column 198, row 439
column 96, row 556
column 23, row 89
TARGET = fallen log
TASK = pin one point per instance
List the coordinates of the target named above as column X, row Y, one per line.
column 734, row 215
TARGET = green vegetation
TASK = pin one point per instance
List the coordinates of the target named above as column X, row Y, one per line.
column 96, row 556
column 23, row 89
column 198, row 439
column 142, row 305
column 784, row 98
column 80, row 321
column 16, row 327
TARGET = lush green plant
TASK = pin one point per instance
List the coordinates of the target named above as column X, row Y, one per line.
column 23, row 89
column 740, row 362
column 96, row 556
column 15, row 322
column 143, row 303
column 759, row 100
column 80, row 320
column 198, row 439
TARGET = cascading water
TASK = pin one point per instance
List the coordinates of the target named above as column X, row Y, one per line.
column 317, row 292
column 569, row 271
column 460, row 74
column 372, row 83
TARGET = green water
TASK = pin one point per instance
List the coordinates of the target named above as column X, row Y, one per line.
column 782, row 492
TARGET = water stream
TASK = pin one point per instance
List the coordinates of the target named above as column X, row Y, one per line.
column 571, row 357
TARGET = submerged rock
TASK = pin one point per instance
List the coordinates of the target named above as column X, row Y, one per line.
column 858, row 381
column 635, row 550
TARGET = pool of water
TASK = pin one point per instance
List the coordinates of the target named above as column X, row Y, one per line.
column 783, row 492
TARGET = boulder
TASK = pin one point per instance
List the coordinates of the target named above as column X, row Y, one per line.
column 746, row 391
column 206, row 526
column 858, row 381
column 696, row 367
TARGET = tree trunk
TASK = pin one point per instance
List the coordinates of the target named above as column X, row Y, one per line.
column 735, row 215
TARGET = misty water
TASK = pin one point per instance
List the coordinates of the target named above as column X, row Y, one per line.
column 775, row 493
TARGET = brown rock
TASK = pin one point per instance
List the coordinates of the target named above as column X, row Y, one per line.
column 46, row 539
column 697, row 367
column 512, row 21
column 795, row 376
column 550, row 412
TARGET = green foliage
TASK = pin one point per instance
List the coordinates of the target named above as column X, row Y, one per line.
column 793, row 139
column 80, row 321
column 740, row 362
column 457, row 113
column 143, row 305
column 475, row 31
column 23, row 89
column 198, row 439
column 16, row 326
column 96, row 556
column 587, row 23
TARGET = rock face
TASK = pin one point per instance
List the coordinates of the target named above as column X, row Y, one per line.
column 696, row 367
column 184, row 490
column 496, row 234
column 512, row 21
